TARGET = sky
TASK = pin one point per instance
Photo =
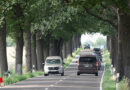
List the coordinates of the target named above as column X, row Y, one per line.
column 91, row 37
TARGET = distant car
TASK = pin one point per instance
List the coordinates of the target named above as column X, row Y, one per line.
column 88, row 64
column 53, row 65
column 87, row 47
column 98, row 51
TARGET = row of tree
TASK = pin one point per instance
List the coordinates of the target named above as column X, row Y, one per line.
column 53, row 22
column 114, row 21
column 43, row 27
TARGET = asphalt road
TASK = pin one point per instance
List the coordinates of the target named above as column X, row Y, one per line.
column 56, row 82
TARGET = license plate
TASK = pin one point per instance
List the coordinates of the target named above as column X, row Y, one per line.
column 88, row 65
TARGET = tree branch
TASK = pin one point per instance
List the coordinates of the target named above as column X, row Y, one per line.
column 100, row 18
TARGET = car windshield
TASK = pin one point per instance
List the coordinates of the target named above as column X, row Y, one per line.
column 87, row 59
column 96, row 49
column 53, row 61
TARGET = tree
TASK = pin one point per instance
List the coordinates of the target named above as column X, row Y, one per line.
column 100, row 42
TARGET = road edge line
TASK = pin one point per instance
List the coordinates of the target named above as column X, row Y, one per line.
column 102, row 77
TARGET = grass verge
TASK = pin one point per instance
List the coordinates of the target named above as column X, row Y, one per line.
column 108, row 82
column 15, row 78
column 69, row 59
column 123, row 85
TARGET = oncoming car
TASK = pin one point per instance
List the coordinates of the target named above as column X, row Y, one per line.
column 53, row 65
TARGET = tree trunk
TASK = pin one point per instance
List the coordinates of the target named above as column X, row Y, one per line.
column 79, row 40
column 28, row 50
column 3, row 55
column 69, row 48
column 113, row 50
column 124, row 31
column 19, row 52
column 108, row 43
column 46, row 51
column 39, row 48
column 64, row 50
column 55, row 48
column 33, row 52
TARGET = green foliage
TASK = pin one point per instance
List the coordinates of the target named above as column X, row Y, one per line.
column 100, row 42
column 108, row 82
column 68, row 61
column 76, row 52
column 10, row 42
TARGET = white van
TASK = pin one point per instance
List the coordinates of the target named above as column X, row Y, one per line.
column 53, row 65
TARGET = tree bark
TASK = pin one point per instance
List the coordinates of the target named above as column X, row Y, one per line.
column 69, row 48
column 113, row 50
column 55, row 48
column 124, row 35
column 19, row 52
column 28, row 50
column 79, row 40
column 39, row 48
column 33, row 52
column 3, row 54
column 108, row 43
column 64, row 51
column 46, row 51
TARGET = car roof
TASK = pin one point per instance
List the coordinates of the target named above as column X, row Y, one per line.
column 53, row 57
column 87, row 54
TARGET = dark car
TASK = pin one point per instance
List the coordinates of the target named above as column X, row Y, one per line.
column 98, row 52
column 99, row 63
column 88, row 64
column 87, row 46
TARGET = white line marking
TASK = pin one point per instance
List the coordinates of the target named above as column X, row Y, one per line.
column 46, row 88
column 102, row 78
column 51, row 85
column 60, row 80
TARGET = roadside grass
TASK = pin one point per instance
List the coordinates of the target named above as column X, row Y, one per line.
column 108, row 82
column 123, row 85
column 69, row 59
column 76, row 52
column 16, row 78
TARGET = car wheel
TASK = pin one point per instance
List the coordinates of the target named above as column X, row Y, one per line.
column 96, row 74
column 62, row 74
column 78, row 73
column 45, row 74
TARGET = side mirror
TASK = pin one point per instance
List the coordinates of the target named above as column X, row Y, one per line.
column 43, row 63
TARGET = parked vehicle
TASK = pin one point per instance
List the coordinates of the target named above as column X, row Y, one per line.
column 87, row 64
column 53, row 65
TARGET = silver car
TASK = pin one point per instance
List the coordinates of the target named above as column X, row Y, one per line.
column 53, row 65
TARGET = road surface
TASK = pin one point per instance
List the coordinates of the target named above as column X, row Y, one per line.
column 56, row 82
